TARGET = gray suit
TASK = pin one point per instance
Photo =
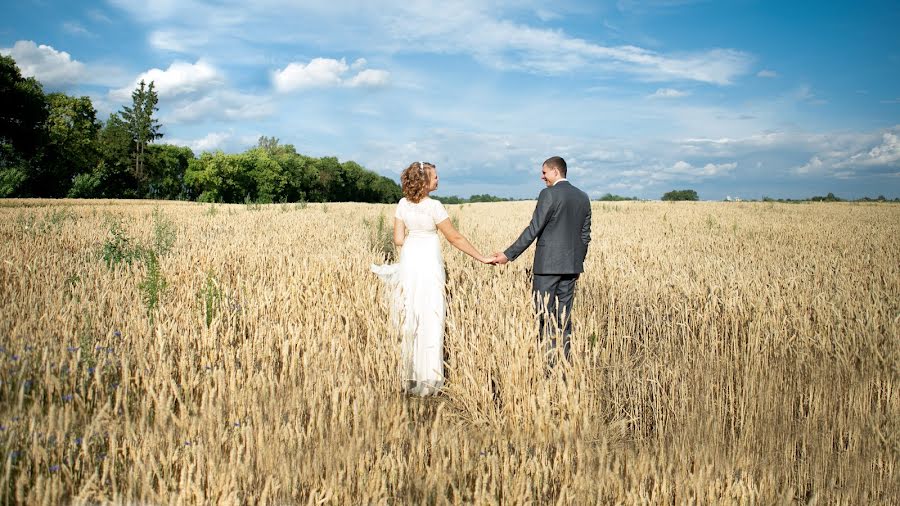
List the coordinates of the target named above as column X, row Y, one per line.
column 562, row 226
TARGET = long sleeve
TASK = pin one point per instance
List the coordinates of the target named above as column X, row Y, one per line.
column 586, row 228
column 538, row 222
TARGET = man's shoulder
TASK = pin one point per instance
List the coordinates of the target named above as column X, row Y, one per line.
column 571, row 190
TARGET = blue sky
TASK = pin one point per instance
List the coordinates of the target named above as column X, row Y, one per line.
column 731, row 98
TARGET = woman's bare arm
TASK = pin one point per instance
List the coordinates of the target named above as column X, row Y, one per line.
column 461, row 243
column 399, row 232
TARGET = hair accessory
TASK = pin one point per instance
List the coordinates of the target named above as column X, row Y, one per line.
column 421, row 167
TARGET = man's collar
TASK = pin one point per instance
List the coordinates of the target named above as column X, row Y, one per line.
column 561, row 179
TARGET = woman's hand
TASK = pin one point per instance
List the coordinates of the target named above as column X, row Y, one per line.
column 487, row 260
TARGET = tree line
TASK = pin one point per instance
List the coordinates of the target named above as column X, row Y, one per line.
column 53, row 145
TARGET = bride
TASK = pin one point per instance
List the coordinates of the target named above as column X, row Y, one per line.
column 417, row 282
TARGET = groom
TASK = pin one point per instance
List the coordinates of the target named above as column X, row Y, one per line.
column 562, row 226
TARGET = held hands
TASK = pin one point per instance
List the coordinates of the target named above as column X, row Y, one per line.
column 500, row 258
column 495, row 259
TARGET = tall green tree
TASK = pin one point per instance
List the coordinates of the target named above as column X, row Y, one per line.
column 114, row 174
column 141, row 125
column 72, row 146
column 23, row 113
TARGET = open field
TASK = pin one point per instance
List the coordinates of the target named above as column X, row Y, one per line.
column 159, row 352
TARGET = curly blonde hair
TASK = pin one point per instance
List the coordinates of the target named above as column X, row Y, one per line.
column 415, row 181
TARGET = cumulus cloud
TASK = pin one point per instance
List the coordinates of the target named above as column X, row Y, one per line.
column 767, row 73
column 370, row 78
column 880, row 156
column 669, row 93
column 179, row 79
column 326, row 72
column 319, row 72
column 51, row 67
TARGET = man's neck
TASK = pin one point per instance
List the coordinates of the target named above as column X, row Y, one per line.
column 558, row 180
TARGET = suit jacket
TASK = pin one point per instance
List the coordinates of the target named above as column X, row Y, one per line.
column 562, row 226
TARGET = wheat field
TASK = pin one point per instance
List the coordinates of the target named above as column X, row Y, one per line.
column 184, row 353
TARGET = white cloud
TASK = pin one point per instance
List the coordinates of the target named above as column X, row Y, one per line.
column 682, row 168
column 99, row 16
column 840, row 158
column 547, row 15
column 483, row 30
column 221, row 105
column 325, row 72
column 176, row 42
column 767, row 73
column 885, row 154
column 214, row 141
column 320, row 72
column 359, row 64
column 75, row 28
column 179, row 79
column 668, row 93
column 370, row 78
column 51, row 67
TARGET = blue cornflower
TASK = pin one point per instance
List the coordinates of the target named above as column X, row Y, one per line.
column 72, row 349
column 67, row 397
column 109, row 350
column 78, row 441
column 91, row 370
column 237, row 424
column 116, row 333
column 2, row 427
column 14, row 358
column 187, row 443
column 54, row 468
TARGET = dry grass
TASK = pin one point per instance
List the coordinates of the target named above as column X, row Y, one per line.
column 724, row 353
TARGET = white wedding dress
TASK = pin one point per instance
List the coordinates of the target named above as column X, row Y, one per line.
column 416, row 288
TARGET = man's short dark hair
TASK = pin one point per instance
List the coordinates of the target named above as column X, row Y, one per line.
column 556, row 162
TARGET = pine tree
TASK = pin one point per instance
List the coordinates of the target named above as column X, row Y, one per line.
column 141, row 125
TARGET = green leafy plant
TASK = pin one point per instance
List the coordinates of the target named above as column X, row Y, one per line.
column 163, row 233
column 119, row 248
column 153, row 284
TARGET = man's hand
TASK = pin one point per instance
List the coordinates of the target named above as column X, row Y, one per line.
column 500, row 258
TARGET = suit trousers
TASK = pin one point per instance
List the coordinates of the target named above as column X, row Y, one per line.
column 553, row 295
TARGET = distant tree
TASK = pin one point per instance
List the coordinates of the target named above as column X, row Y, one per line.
column 681, row 195
column 166, row 166
column 114, row 173
column 827, row 198
column 72, row 146
column 141, row 125
column 23, row 114
column 450, row 199
column 609, row 197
